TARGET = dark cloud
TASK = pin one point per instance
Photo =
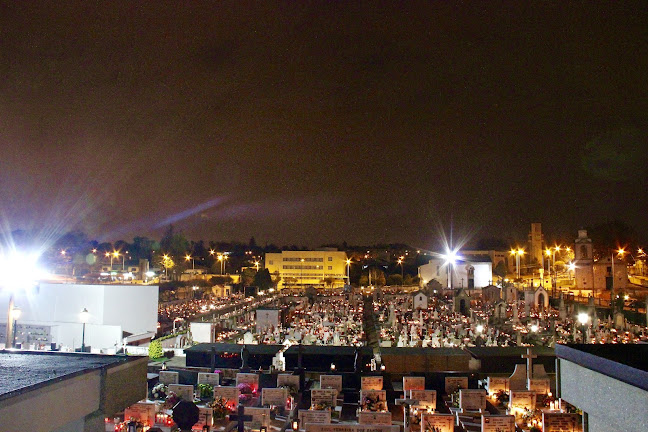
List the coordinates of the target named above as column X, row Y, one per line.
column 114, row 116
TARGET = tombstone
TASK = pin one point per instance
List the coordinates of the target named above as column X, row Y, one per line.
column 491, row 294
column 419, row 300
column 248, row 338
column 510, row 294
column 499, row 311
column 472, row 400
column 461, row 302
column 559, row 422
column 619, row 321
column 562, row 311
column 413, row 383
column 371, row 383
column 169, row 377
column 454, row 383
column 185, row 392
column 331, row 381
column 521, row 400
column 498, row 423
column 497, row 384
column 426, row 398
column 437, row 422
column 518, row 380
column 515, row 317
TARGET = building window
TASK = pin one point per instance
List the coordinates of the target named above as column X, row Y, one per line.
column 271, row 262
column 330, row 267
column 330, row 258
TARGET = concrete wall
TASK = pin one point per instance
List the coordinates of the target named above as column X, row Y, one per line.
column 112, row 309
column 611, row 405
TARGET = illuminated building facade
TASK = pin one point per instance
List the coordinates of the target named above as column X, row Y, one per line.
column 300, row 269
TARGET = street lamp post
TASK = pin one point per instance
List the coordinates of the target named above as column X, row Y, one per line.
column 83, row 317
column 193, row 261
column 301, row 273
column 15, row 314
column 400, row 261
column 348, row 263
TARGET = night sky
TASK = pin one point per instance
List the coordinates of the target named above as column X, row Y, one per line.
column 314, row 122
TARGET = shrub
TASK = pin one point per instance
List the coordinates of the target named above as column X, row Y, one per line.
column 155, row 349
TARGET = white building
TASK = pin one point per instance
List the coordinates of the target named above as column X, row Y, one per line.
column 477, row 272
column 50, row 313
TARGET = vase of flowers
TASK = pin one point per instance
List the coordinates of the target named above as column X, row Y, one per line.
column 371, row 402
column 159, row 392
column 221, row 408
column 205, row 391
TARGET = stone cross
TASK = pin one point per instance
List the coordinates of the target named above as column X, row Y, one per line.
column 529, row 356
column 240, row 418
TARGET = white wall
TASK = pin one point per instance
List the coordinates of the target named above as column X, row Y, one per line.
column 112, row 309
column 483, row 273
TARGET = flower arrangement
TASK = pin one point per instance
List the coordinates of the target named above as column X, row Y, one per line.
column 531, row 417
column 321, row 406
column 159, row 392
column 454, row 397
column 171, row 400
column 546, row 400
column 371, row 402
column 206, row 391
column 123, row 426
column 502, row 396
column 246, row 392
column 221, row 408
column 292, row 390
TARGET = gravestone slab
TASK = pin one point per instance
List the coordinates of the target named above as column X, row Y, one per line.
column 230, row 394
column 169, row 377
column 498, row 423
column 496, row 384
column 185, row 392
column 453, row 383
column 248, row 378
column 313, row 416
column 260, row 417
column 143, row 412
column 472, row 399
column 371, row 383
column 212, row 379
column 288, row 379
column 331, row 381
column 521, row 399
column 324, row 396
column 437, row 422
column 413, row 383
column 539, row 385
column 375, row 418
column 274, row 396
column 426, row 398
column 560, row 422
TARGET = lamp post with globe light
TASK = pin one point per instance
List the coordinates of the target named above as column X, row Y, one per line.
column 348, row 263
column 15, row 315
column 83, row 317
column 450, row 260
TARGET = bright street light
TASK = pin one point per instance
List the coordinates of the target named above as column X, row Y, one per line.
column 583, row 318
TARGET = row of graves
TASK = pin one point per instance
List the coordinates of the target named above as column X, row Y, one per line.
column 218, row 401
column 351, row 401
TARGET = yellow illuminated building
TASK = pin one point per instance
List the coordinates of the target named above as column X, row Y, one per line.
column 300, row 269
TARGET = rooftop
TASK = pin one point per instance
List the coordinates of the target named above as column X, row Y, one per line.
column 20, row 371
column 626, row 363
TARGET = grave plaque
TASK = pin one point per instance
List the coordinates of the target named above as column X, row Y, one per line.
column 375, row 418
column 371, row 383
column 331, row 381
column 274, row 396
column 413, row 383
column 230, row 394
column 521, row 399
column 560, row 422
column 205, row 417
column 260, row 417
column 539, row 385
column 208, row 378
column 498, row 423
column 313, row 416
column 426, row 398
column 472, row 399
column 496, row 384
column 351, row 428
column 288, row 380
column 327, row 397
column 248, row 378
column 442, row 422
column 168, row 377
column 373, row 400
column 184, row 392
column 453, row 383
column 143, row 412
